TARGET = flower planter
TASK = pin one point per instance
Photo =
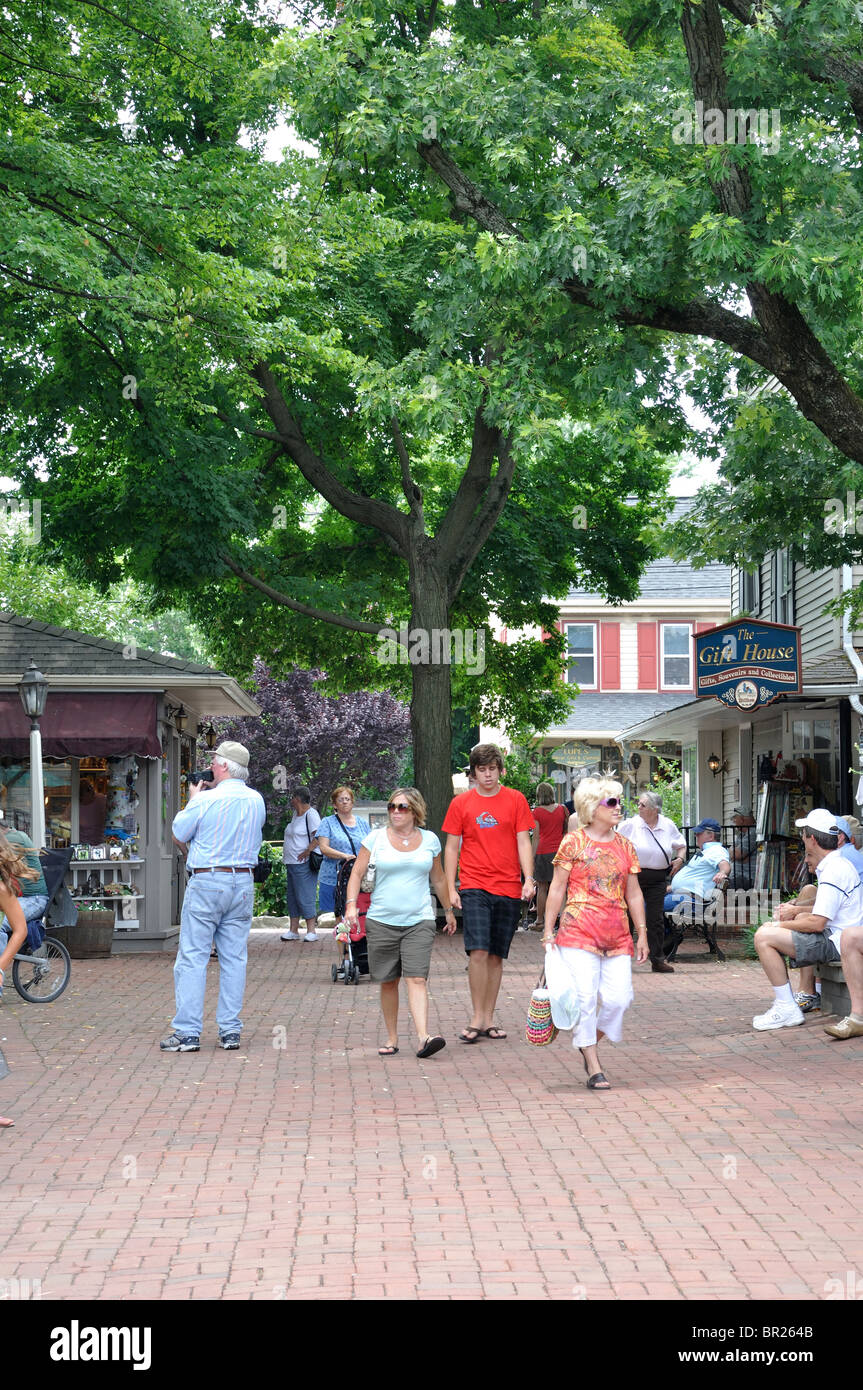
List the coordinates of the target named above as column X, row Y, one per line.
column 91, row 938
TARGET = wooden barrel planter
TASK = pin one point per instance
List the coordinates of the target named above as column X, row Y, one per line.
column 91, row 938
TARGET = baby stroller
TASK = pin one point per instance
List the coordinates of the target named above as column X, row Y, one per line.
column 356, row 959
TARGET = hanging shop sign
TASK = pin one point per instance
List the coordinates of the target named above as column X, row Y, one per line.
column 747, row 664
column 575, row 755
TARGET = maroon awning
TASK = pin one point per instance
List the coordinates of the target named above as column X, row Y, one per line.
column 83, row 725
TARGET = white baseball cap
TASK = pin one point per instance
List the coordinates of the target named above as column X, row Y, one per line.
column 822, row 820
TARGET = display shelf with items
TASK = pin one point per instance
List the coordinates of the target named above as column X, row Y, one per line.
column 104, row 881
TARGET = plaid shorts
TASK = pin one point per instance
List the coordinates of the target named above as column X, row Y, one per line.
column 489, row 921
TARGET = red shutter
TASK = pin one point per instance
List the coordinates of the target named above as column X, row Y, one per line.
column 648, row 660
column 704, row 627
column 609, row 666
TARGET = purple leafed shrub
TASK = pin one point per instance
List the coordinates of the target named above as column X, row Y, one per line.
column 303, row 736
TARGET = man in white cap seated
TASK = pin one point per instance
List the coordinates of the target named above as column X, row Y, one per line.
column 809, row 933
column 222, row 825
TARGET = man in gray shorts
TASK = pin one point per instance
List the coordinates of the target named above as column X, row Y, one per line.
column 815, row 935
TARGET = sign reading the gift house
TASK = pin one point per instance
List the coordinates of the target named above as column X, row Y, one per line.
column 747, row 664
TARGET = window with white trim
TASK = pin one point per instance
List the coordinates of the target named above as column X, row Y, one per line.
column 676, row 656
column 783, row 598
column 581, row 646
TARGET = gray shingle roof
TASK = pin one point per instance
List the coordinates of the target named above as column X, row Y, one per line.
column 59, row 651
column 666, row 578
column 595, row 710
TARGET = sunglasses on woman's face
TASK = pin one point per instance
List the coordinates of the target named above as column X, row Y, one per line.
column 397, row 806
column 611, row 801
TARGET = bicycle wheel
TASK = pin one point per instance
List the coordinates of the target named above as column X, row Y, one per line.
column 45, row 974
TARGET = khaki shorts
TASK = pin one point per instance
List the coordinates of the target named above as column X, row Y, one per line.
column 397, row 951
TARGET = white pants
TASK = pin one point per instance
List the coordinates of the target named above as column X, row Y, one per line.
column 606, row 980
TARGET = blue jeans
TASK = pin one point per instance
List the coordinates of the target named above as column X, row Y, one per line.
column 217, row 910
column 31, row 907
column 691, row 907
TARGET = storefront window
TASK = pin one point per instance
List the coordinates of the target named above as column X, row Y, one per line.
column 816, row 746
column 15, row 800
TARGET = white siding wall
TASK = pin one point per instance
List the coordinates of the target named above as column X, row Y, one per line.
column 812, row 590
column 766, row 610
column 736, row 590
column 856, row 580
column 731, row 752
column 628, row 656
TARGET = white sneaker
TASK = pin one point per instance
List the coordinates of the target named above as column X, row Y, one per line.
column 782, row 1015
column 290, row 936
column 310, row 936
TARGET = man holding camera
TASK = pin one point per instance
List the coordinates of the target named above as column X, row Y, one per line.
column 221, row 827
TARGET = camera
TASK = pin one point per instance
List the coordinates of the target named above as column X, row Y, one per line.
column 206, row 777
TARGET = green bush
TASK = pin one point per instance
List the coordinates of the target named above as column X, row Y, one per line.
column 270, row 897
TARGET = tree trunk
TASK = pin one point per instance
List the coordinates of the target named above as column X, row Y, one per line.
column 429, row 652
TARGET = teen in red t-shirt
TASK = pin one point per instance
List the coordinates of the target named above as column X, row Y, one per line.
column 493, row 824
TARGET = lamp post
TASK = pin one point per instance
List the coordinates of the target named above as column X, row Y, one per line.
column 33, row 689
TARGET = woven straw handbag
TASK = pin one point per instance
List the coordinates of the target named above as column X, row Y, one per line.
column 539, row 1030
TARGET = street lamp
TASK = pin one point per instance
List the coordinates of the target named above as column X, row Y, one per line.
column 33, row 689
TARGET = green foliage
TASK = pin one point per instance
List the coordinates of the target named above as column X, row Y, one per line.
column 518, row 773
column 271, row 896
column 670, row 785
column 125, row 612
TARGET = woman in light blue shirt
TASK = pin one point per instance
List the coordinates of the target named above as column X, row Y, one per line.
column 400, row 925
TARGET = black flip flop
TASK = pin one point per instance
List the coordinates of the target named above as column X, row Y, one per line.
column 431, row 1046
column 477, row 1034
column 593, row 1082
column 387, row 1051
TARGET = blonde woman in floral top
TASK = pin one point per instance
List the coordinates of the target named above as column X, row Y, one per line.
column 596, row 876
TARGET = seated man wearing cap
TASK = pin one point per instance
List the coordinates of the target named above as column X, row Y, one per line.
column 809, row 933
column 806, row 996
column 695, row 882
column 222, row 824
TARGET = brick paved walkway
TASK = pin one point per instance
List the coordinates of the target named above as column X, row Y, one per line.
column 317, row 1170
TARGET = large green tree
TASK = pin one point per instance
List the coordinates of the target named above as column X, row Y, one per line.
column 297, row 387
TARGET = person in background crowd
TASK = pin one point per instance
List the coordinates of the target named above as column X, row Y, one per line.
column 302, row 884
column 222, row 823
column 810, row 935
column 33, row 891
column 340, row 837
column 551, row 821
column 91, row 813
column 596, row 876
column 661, row 851
column 400, row 924
column 14, row 871
column 743, row 848
column 708, row 868
column 488, row 846
column 808, row 996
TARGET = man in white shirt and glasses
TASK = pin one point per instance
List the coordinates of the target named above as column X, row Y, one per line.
column 810, row 937
column 222, row 825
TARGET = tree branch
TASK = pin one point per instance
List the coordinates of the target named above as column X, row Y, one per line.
column 460, row 518
column 319, row 614
column 368, row 511
column 474, row 537
column 409, row 488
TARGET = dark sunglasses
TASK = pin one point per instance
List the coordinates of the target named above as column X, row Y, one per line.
column 397, row 806
column 611, row 801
